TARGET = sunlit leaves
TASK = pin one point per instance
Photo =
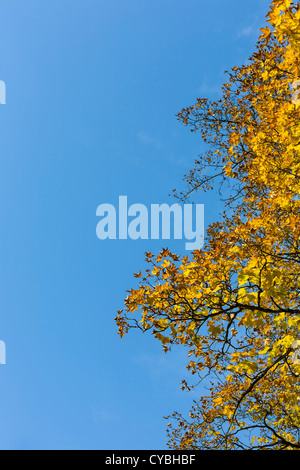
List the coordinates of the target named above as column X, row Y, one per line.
column 235, row 304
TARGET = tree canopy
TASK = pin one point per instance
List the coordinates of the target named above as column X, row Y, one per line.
column 234, row 304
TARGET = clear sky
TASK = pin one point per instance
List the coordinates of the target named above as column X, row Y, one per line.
column 92, row 90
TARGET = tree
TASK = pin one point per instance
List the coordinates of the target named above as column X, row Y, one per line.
column 234, row 304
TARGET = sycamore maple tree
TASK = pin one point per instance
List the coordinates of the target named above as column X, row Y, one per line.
column 235, row 304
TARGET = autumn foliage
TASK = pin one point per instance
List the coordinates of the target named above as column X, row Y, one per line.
column 235, row 304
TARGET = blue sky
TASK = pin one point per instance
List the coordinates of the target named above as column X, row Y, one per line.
column 92, row 90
